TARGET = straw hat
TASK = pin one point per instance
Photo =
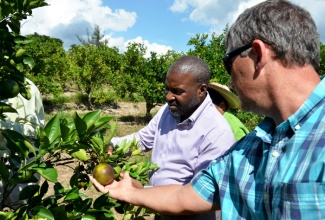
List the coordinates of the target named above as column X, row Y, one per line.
column 231, row 98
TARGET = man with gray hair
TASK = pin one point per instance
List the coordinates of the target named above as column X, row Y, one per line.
column 277, row 171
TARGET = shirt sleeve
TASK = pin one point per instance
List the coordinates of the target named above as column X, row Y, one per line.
column 144, row 136
column 30, row 113
column 205, row 183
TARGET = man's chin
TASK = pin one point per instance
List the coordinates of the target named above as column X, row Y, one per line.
column 174, row 112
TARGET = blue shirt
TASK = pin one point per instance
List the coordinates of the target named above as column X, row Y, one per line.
column 273, row 172
column 182, row 149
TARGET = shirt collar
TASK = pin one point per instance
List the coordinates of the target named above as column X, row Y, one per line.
column 197, row 113
column 297, row 119
column 265, row 128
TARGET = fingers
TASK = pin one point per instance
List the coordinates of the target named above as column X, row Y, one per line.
column 110, row 149
column 98, row 186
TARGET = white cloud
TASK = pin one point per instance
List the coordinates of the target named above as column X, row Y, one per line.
column 122, row 45
column 218, row 13
column 65, row 18
column 151, row 47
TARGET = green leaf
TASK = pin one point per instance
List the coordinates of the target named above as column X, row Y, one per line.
column 6, row 215
column 29, row 61
column 112, row 133
column 94, row 115
column 6, row 108
column 88, row 217
column 44, row 213
column 81, row 154
column 28, row 191
column 44, row 142
column 83, row 205
column 14, row 140
column 20, row 67
column 29, row 146
column 58, row 188
column 4, row 172
column 22, row 40
column 71, row 196
column 102, row 122
column 81, row 125
column 52, row 129
column 65, row 132
column 46, row 171
column 101, row 201
column 44, row 188
column 59, row 212
column 97, row 144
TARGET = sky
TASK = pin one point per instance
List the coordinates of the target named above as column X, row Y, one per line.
column 161, row 25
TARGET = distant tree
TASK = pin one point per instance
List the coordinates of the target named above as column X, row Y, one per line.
column 211, row 50
column 95, row 39
column 50, row 70
column 92, row 67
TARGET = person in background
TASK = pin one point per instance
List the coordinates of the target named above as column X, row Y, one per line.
column 27, row 121
column 223, row 99
column 276, row 171
column 187, row 132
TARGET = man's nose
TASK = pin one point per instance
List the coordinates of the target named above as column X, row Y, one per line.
column 169, row 96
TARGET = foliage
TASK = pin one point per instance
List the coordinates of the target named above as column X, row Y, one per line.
column 249, row 119
column 13, row 59
column 50, row 70
column 83, row 139
column 92, row 67
column 211, row 50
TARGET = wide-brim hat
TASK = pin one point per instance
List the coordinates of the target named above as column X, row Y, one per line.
column 231, row 98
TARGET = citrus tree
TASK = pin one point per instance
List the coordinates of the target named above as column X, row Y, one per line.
column 51, row 66
column 83, row 139
column 211, row 49
column 92, row 66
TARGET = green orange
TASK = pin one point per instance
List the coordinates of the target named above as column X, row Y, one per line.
column 9, row 88
column 103, row 173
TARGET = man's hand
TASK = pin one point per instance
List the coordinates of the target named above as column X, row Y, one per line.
column 118, row 190
column 110, row 148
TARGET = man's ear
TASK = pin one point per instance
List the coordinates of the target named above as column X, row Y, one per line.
column 259, row 50
column 203, row 89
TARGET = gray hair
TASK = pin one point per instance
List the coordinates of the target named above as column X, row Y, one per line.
column 193, row 65
column 287, row 28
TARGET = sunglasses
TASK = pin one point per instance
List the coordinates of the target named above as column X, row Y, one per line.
column 229, row 57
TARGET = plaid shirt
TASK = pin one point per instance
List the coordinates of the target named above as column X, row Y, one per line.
column 273, row 172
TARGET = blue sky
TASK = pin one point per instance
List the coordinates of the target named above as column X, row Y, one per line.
column 161, row 25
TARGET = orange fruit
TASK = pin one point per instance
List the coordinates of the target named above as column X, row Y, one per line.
column 103, row 173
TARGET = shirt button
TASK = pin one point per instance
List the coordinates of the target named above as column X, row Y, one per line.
column 275, row 154
column 297, row 127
